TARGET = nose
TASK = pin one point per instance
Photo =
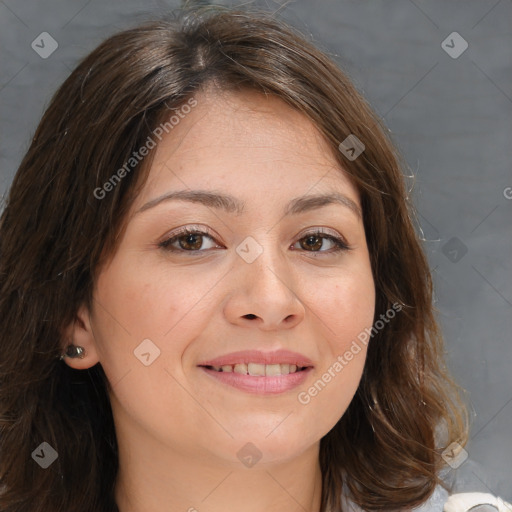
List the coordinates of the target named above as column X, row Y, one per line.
column 264, row 294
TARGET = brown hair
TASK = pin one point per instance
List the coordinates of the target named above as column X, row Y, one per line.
column 55, row 235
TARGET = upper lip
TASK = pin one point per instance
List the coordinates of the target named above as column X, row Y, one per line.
column 259, row 357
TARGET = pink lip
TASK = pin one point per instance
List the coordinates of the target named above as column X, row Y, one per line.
column 259, row 357
column 258, row 384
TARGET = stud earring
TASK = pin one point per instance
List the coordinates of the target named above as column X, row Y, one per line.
column 73, row 351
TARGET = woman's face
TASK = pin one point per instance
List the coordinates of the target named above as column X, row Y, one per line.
column 257, row 278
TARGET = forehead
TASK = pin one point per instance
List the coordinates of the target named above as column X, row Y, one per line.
column 235, row 140
column 263, row 125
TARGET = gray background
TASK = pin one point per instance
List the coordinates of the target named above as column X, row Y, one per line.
column 450, row 117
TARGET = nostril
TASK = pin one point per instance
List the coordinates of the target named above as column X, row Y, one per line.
column 250, row 315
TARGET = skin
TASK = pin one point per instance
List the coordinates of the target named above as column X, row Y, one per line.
column 179, row 429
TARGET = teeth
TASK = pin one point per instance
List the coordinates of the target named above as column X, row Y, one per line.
column 258, row 370
column 272, row 369
column 240, row 368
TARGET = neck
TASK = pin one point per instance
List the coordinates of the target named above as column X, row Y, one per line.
column 156, row 478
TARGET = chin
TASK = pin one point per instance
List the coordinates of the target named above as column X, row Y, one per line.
column 268, row 449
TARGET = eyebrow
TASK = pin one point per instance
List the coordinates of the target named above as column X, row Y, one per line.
column 231, row 204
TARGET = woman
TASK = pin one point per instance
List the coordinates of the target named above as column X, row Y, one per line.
column 212, row 292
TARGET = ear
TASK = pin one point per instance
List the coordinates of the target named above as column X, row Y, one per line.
column 80, row 333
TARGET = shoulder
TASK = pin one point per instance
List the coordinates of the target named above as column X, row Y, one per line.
column 442, row 501
column 470, row 500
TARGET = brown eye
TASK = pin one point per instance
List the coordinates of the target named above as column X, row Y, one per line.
column 313, row 242
column 191, row 242
column 188, row 241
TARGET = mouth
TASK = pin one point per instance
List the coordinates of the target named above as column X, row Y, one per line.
column 258, row 372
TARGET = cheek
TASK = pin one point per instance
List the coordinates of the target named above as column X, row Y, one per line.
column 326, row 400
column 152, row 303
column 345, row 313
column 131, row 308
column 143, row 300
column 345, row 307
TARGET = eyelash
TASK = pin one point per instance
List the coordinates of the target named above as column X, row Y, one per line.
column 339, row 243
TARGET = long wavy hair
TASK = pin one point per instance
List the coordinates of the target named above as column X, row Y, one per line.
column 55, row 235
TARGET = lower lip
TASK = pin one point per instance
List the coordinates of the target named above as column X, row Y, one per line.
column 258, row 384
